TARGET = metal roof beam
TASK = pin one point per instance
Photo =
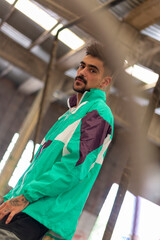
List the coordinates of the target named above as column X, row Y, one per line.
column 21, row 57
column 45, row 35
column 12, row 8
column 144, row 15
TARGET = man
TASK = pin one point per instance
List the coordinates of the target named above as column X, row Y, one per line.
column 52, row 192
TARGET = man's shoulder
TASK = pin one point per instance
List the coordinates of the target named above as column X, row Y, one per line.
column 101, row 107
column 103, row 110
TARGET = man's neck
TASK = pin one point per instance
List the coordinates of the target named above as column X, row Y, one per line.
column 79, row 96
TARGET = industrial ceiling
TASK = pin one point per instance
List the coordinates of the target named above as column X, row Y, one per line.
column 25, row 48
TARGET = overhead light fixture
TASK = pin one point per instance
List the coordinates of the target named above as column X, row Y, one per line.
column 43, row 19
column 16, row 35
column 70, row 39
column 10, row 1
column 143, row 74
column 35, row 13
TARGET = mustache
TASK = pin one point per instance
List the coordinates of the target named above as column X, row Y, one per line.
column 82, row 78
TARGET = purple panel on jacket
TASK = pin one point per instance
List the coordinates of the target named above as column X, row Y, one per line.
column 94, row 129
column 45, row 145
column 73, row 101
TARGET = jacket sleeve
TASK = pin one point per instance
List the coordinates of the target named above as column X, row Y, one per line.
column 82, row 143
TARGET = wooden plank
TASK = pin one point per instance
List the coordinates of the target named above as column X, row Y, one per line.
column 144, row 15
column 21, row 57
column 25, row 60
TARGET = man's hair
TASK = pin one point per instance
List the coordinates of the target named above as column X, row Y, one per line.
column 98, row 51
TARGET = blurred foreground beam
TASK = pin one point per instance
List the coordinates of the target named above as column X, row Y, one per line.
column 125, row 179
column 118, row 106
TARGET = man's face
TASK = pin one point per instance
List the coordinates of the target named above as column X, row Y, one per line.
column 90, row 74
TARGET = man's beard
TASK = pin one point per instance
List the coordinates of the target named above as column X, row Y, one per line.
column 83, row 89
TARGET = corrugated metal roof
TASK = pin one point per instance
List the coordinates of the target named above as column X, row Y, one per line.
column 16, row 35
column 152, row 31
column 24, row 41
column 123, row 8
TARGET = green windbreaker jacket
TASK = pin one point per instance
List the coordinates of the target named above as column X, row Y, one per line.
column 65, row 167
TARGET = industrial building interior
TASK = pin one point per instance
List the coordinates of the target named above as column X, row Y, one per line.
column 131, row 28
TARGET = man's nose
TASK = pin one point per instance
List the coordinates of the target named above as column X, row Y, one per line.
column 83, row 71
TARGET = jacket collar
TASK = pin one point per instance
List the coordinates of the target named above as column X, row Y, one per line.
column 87, row 96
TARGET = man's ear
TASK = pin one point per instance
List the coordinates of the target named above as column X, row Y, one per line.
column 106, row 81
